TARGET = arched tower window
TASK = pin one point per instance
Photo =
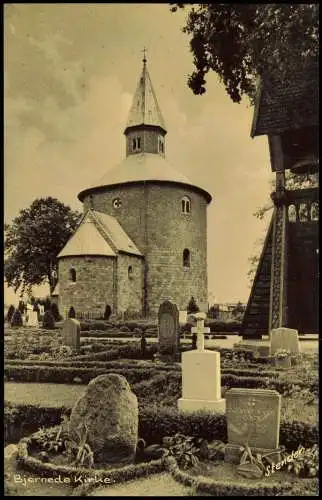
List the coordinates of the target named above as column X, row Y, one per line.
column 186, row 258
column 303, row 212
column 186, row 205
column 314, row 211
column 130, row 272
column 136, row 143
column 292, row 213
column 72, row 275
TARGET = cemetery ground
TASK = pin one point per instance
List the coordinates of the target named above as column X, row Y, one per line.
column 44, row 379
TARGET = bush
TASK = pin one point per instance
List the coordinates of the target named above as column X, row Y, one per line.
column 72, row 313
column 10, row 313
column 192, row 306
column 107, row 312
column 16, row 319
column 49, row 320
column 55, row 311
column 47, row 304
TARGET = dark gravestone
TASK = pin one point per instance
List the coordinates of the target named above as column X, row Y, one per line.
column 71, row 334
column 168, row 329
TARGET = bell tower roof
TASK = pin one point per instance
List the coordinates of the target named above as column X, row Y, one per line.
column 145, row 108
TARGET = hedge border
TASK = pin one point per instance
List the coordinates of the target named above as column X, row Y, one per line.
column 155, row 423
column 118, row 475
column 56, row 374
column 220, row 488
column 134, row 471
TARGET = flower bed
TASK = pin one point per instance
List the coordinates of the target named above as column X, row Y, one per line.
column 84, row 479
column 188, row 454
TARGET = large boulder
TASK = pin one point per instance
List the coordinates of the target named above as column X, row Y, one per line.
column 108, row 412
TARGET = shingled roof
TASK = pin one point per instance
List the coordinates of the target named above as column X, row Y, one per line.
column 287, row 105
column 99, row 234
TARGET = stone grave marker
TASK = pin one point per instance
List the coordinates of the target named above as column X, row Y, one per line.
column 284, row 338
column 201, row 383
column 71, row 333
column 183, row 317
column 108, row 412
column 168, row 329
column 32, row 318
column 253, row 417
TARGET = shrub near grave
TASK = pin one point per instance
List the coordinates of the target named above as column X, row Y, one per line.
column 16, row 319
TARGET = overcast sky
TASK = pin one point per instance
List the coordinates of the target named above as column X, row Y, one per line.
column 70, row 74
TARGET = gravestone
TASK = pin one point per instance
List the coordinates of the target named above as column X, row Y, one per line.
column 284, row 338
column 32, row 318
column 71, row 333
column 108, row 412
column 201, row 383
column 253, row 417
column 183, row 317
column 168, row 329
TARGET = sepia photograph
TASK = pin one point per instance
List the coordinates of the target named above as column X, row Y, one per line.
column 161, row 249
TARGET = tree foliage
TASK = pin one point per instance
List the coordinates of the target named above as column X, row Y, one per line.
column 33, row 241
column 242, row 42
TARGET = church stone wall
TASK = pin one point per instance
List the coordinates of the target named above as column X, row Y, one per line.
column 93, row 288
column 151, row 214
column 129, row 284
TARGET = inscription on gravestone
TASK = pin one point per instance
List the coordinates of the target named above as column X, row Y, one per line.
column 253, row 417
column 168, row 328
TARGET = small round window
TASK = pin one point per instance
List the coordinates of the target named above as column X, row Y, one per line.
column 117, row 203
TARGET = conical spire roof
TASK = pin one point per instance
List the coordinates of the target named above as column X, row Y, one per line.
column 145, row 108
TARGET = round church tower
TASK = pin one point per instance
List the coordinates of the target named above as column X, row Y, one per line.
column 163, row 213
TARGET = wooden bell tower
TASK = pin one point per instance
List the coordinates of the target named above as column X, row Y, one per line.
column 285, row 288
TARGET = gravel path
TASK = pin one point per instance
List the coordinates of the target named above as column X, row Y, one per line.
column 153, row 486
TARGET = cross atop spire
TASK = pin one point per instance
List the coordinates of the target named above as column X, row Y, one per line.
column 144, row 55
column 145, row 109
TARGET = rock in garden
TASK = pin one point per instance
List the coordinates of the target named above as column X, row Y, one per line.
column 10, row 456
column 108, row 412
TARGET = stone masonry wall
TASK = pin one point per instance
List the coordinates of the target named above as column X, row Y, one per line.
column 93, row 288
column 129, row 286
column 151, row 214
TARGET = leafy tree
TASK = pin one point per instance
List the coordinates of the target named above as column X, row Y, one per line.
column 242, row 42
column 33, row 241
column 238, row 311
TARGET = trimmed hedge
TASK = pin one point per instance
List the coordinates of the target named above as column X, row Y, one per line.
column 154, row 424
column 247, row 372
column 222, row 488
column 117, row 475
column 66, row 375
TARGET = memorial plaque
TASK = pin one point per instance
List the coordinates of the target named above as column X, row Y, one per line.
column 253, row 417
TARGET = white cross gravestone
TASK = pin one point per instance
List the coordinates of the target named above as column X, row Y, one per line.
column 201, row 384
